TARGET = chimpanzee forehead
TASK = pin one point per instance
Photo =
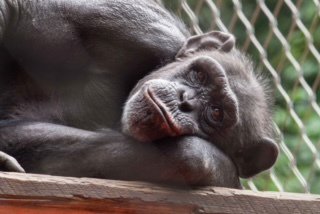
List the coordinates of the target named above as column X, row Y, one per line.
column 234, row 63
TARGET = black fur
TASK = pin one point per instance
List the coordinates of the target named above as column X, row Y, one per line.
column 66, row 69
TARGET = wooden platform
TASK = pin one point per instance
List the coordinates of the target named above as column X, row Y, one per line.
column 29, row 193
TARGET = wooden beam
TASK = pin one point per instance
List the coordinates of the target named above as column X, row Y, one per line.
column 30, row 193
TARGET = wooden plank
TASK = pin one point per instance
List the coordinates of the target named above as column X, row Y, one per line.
column 30, row 193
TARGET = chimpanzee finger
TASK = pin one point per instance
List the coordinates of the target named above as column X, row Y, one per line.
column 9, row 163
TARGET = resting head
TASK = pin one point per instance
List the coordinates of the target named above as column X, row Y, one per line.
column 209, row 91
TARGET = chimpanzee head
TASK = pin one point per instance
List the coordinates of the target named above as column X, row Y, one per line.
column 209, row 91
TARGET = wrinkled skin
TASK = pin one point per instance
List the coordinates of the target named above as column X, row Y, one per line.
column 210, row 92
column 66, row 69
column 194, row 99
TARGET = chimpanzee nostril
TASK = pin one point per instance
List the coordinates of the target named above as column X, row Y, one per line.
column 182, row 96
column 185, row 106
column 184, row 102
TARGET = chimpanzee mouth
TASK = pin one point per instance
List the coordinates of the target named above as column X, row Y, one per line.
column 160, row 108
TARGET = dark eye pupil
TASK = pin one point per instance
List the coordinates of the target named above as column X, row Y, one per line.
column 217, row 114
column 200, row 76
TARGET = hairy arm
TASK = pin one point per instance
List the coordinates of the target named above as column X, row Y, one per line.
column 60, row 150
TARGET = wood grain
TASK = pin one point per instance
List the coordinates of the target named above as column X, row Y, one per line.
column 30, row 193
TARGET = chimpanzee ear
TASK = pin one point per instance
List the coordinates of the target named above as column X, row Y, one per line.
column 261, row 156
column 215, row 40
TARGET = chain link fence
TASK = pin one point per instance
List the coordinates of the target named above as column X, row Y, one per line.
column 283, row 38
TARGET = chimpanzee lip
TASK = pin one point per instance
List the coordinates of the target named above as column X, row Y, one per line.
column 161, row 110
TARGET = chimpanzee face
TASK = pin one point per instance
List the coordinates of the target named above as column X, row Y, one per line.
column 192, row 97
column 209, row 91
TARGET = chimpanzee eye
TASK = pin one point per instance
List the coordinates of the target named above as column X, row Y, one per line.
column 216, row 114
column 199, row 77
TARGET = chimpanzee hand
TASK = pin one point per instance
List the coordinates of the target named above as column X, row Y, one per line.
column 197, row 162
column 8, row 163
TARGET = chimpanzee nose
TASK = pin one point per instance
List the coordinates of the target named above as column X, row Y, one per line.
column 185, row 102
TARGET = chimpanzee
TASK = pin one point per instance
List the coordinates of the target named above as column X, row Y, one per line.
column 210, row 92
column 67, row 67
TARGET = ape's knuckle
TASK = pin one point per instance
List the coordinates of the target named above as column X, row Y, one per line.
column 195, row 164
column 195, row 171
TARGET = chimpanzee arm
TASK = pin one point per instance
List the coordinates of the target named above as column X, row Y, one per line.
column 61, row 150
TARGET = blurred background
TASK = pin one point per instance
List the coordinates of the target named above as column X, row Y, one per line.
column 283, row 39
